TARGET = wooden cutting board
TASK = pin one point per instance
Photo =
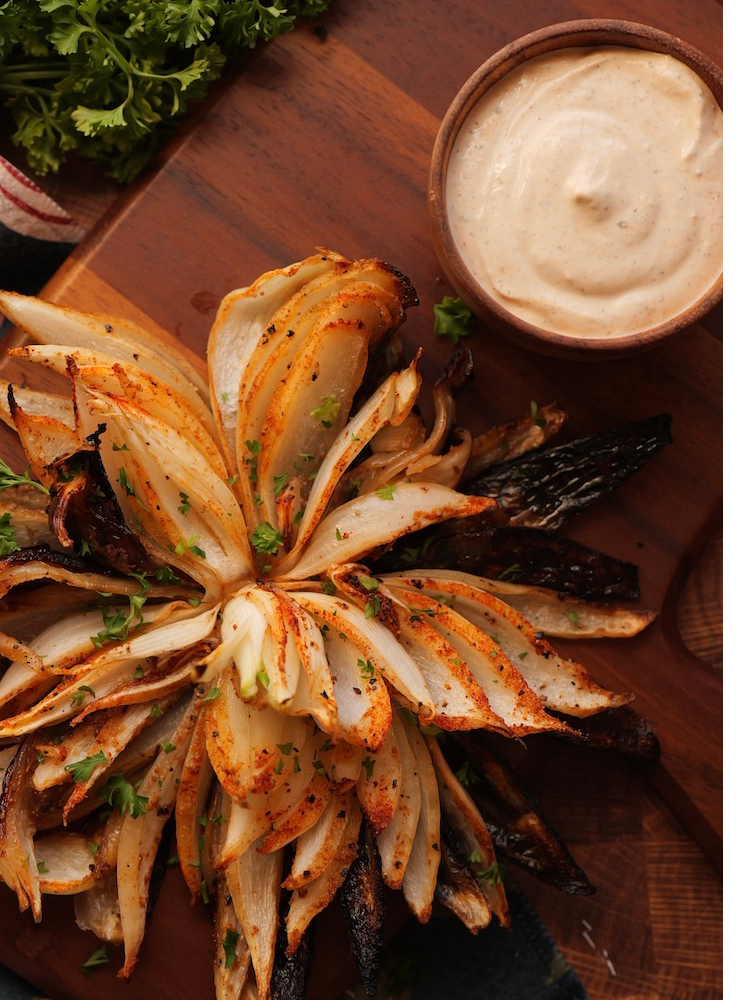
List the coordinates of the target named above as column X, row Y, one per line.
column 324, row 138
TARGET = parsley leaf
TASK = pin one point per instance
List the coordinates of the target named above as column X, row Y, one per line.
column 9, row 478
column 327, row 411
column 120, row 794
column 265, row 538
column 229, row 945
column 99, row 957
column 8, row 541
column 453, row 319
column 81, row 770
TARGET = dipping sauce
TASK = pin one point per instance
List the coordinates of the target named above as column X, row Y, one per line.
column 584, row 190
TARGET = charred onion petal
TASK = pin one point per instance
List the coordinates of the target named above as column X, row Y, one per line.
column 291, row 972
column 83, row 507
column 457, row 888
column 485, row 546
column 543, row 489
column 362, row 897
column 519, row 832
column 17, row 862
column 53, row 559
column 507, row 441
column 621, row 730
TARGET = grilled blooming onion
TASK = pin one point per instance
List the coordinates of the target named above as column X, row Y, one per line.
column 203, row 639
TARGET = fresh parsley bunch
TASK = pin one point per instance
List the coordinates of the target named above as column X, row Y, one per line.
column 109, row 79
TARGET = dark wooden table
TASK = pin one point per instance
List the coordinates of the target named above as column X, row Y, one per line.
column 324, row 138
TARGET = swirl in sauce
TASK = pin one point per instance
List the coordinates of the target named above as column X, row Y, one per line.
column 584, row 190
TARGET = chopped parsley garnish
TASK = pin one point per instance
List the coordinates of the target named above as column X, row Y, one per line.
column 8, row 541
column 453, row 319
column 120, row 794
column 372, row 606
column 83, row 690
column 118, row 622
column 9, row 479
column 212, row 694
column 81, row 770
column 168, row 747
column 327, row 411
column 386, row 492
column 366, row 668
column 328, row 587
column 99, row 957
column 466, row 775
column 494, row 874
column 511, row 573
column 534, row 409
column 156, row 711
column 251, row 460
column 368, row 764
column 165, row 574
column 184, row 507
column 124, row 480
column 265, row 538
column 229, row 945
column 188, row 545
column 119, row 447
column 369, row 582
column 279, row 483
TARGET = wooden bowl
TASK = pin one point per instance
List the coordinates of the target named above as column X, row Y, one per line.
column 582, row 33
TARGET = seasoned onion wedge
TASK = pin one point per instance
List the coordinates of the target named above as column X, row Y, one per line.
column 372, row 520
column 254, row 881
column 421, row 873
column 379, row 783
column 555, row 614
column 64, row 861
column 140, row 835
column 396, row 840
column 241, row 322
column 46, row 323
column 388, row 406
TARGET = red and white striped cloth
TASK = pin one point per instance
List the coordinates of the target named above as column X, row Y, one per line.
column 25, row 209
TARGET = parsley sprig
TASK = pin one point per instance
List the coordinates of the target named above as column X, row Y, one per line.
column 121, row 795
column 110, row 80
column 118, row 622
column 9, row 478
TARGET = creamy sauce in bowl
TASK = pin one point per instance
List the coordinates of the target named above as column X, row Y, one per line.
column 584, row 190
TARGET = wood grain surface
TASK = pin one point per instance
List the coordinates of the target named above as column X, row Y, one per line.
column 324, row 138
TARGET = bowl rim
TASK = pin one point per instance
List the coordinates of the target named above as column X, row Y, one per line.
column 581, row 33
